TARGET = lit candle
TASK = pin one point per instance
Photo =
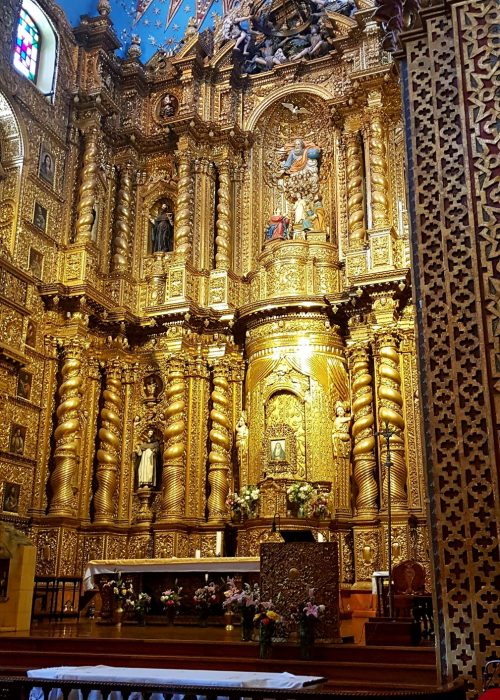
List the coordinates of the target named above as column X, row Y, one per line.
column 218, row 543
column 197, row 554
column 320, row 537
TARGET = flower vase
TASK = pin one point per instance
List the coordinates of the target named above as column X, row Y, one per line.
column 228, row 618
column 236, row 516
column 170, row 614
column 203, row 617
column 301, row 512
column 247, row 615
column 265, row 640
column 118, row 615
column 306, row 639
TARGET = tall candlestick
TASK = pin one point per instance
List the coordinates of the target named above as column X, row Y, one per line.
column 218, row 543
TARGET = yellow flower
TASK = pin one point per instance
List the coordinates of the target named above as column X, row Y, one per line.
column 272, row 615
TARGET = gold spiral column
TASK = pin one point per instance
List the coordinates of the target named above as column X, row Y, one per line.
column 219, row 458
column 378, row 162
column 174, row 455
column 108, row 454
column 363, row 431
column 183, row 224
column 223, row 223
column 87, row 192
column 122, row 222
column 355, row 210
column 63, row 480
column 391, row 412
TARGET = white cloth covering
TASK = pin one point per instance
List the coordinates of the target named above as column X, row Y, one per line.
column 233, row 679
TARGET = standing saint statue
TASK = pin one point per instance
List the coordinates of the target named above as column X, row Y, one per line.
column 147, row 451
column 162, row 234
column 340, row 435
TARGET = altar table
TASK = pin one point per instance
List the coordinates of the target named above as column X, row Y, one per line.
column 206, row 565
column 230, row 679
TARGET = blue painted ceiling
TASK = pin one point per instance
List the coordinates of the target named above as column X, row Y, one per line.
column 159, row 23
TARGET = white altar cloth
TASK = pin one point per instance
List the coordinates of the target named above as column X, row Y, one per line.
column 206, row 565
column 169, row 676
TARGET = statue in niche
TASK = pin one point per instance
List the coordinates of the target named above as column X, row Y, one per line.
column 152, row 387
column 148, row 452
column 340, row 436
column 277, row 227
column 301, row 157
column 162, row 233
column 242, row 442
column 168, row 106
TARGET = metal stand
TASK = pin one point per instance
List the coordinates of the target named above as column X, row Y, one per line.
column 387, row 434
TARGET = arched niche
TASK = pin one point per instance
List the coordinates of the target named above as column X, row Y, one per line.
column 291, row 117
column 11, row 163
column 149, row 206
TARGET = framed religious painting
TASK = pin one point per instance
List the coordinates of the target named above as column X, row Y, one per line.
column 40, row 217
column 24, row 381
column 46, row 165
column 35, row 263
column 278, row 450
column 11, row 493
column 31, row 334
column 17, row 439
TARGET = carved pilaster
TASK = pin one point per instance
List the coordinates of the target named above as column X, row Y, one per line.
column 223, row 224
column 108, row 455
column 204, row 215
column 67, row 435
column 87, row 192
column 355, row 212
column 174, row 455
column 391, row 412
column 378, row 162
column 183, row 234
column 219, row 458
column 363, row 431
column 122, row 222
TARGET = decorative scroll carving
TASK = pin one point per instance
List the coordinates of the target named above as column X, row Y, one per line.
column 108, row 455
column 391, row 412
column 362, row 431
column 223, row 224
column 122, row 223
column 220, row 443
column 173, row 476
column 63, row 479
column 87, row 194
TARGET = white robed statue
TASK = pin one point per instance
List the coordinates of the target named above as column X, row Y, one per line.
column 147, row 452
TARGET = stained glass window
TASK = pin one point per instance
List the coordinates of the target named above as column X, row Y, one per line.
column 27, row 46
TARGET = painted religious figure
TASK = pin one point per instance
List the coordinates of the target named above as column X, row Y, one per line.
column 340, row 436
column 278, row 453
column 17, row 439
column 24, row 384
column 46, row 168
column 148, row 452
column 302, row 156
column 162, row 233
column 11, row 494
column 277, row 227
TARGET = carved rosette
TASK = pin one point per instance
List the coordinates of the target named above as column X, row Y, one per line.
column 223, row 224
column 87, row 193
column 219, row 458
column 173, row 475
column 363, row 432
column 391, row 412
column 122, row 222
column 355, row 212
column 184, row 208
column 67, row 434
column 108, row 454
column 378, row 169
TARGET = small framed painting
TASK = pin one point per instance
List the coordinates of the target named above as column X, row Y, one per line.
column 277, row 450
column 46, row 166
column 40, row 217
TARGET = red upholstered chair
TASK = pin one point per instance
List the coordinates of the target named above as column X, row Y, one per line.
column 408, row 584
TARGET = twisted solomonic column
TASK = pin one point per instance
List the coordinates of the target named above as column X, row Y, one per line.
column 391, row 412
column 63, row 480
column 363, row 431
column 87, row 192
column 173, row 475
column 378, row 170
column 223, row 224
column 108, row 454
column 355, row 210
column 184, row 208
column 219, row 458
column 122, row 221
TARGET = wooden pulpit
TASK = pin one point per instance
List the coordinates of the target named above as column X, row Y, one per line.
column 289, row 570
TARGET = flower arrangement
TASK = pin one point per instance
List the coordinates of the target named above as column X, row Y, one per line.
column 234, row 503
column 206, row 596
column 249, row 496
column 318, row 505
column 244, row 602
column 306, row 616
column 120, row 589
column 265, row 620
column 139, row 606
column 171, row 597
column 299, row 494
